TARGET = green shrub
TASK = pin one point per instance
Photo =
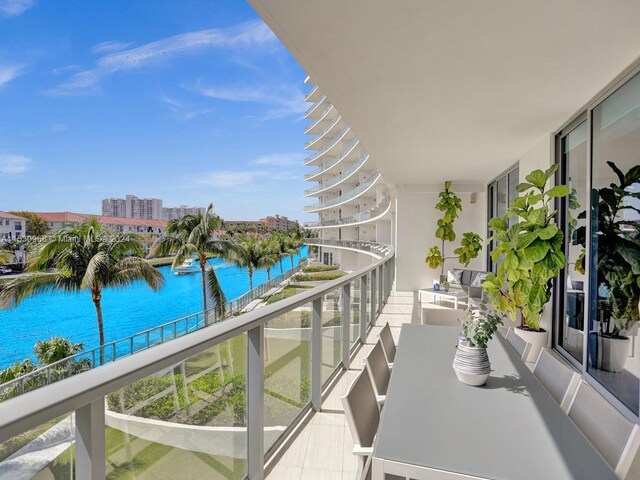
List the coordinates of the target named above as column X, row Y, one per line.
column 317, row 277
column 319, row 268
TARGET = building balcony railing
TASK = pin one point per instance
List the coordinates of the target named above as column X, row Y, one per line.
column 311, row 93
column 356, row 192
column 378, row 249
column 322, row 118
column 334, row 161
column 228, row 393
column 364, row 156
column 339, row 136
column 375, row 213
column 314, row 106
column 332, row 123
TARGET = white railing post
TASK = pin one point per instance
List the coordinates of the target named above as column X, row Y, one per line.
column 380, row 288
column 363, row 309
column 345, row 318
column 90, row 441
column 255, row 403
column 316, row 354
column 374, row 304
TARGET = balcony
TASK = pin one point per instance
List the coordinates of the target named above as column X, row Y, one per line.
column 217, row 402
column 371, row 215
column 331, row 123
column 329, row 164
column 312, row 111
column 339, row 178
column 329, row 146
column 368, row 182
column 327, row 115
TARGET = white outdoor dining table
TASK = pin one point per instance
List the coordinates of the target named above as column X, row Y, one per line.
column 434, row 427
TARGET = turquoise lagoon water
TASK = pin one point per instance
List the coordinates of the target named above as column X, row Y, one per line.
column 126, row 311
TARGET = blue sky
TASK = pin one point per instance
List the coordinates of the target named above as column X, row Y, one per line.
column 191, row 101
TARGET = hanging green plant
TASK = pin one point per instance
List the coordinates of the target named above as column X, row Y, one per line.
column 451, row 205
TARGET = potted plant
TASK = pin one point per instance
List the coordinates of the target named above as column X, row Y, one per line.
column 531, row 249
column 471, row 362
column 471, row 244
column 617, row 271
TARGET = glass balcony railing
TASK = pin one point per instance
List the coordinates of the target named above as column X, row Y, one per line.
column 331, row 162
column 363, row 187
column 215, row 403
column 314, row 106
column 376, row 212
column 339, row 178
column 339, row 136
column 332, row 123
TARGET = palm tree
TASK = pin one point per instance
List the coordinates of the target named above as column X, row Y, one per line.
column 55, row 349
column 293, row 244
column 192, row 235
column 6, row 255
column 250, row 253
column 271, row 249
column 282, row 243
column 84, row 257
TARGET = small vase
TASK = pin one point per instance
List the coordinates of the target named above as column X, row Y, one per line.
column 471, row 364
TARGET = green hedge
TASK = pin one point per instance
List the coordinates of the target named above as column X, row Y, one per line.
column 316, row 277
column 319, row 268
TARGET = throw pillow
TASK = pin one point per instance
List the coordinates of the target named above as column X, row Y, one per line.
column 477, row 282
column 453, row 277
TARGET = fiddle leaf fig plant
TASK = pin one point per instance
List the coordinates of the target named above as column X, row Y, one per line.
column 531, row 249
column 618, row 247
column 451, row 205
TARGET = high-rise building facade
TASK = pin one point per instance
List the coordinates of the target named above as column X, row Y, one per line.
column 353, row 201
column 133, row 207
column 174, row 213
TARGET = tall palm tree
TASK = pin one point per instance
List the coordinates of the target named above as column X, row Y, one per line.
column 271, row 250
column 250, row 253
column 293, row 244
column 193, row 235
column 85, row 257
column 282, row 243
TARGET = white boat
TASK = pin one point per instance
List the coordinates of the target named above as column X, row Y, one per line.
column 187, row 267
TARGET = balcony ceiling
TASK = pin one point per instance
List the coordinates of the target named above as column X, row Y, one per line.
column 455, row 89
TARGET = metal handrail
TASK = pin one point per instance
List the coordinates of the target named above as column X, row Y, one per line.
column 87, row 390
column 326, row 128
column 376, row 212
column 343, row 131
column 342, row 177
column 311, row 92
column 314, row 106
column 327, row 165
column 143, row 340
column 363, row 187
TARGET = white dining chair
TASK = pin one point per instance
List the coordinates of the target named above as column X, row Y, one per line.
column 378, row 369
column 363, row 416
column 614, row 436
column 558, row 378
column 521, row 346
column 388, row 344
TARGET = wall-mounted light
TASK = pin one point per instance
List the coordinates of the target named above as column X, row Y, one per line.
column 474, row 197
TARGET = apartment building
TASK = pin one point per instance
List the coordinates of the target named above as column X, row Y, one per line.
column 13, row 227
column 353, row 201
column 174, row 213
column 279, row 223
column 59, row 220
column 133, row 207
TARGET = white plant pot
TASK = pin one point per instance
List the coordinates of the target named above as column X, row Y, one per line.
column 613, row 353
column 538, row 340
column 471, row 364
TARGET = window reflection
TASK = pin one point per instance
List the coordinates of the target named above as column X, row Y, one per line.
column 615, row 241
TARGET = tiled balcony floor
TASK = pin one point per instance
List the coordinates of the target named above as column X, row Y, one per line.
column 322, row 450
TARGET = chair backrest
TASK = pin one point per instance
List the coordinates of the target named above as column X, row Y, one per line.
column 362, row 411
column 615, row 437
column 388, row 345
column 378, row 369
column 557, row 377
column 518, row 343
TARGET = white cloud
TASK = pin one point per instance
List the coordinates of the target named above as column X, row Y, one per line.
column 249, row 34
column 109, row 47
column 8, row 73
column 15, row 8
column 14, row 164
column 238, row 179
column 284, row 100
column 183, row 111
column 281, row 159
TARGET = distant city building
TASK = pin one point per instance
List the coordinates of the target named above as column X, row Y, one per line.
column 271, row 223
column 13, row 227
column 133, row 207
column 281, row 224
column 174, row 213
column 59, row 220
